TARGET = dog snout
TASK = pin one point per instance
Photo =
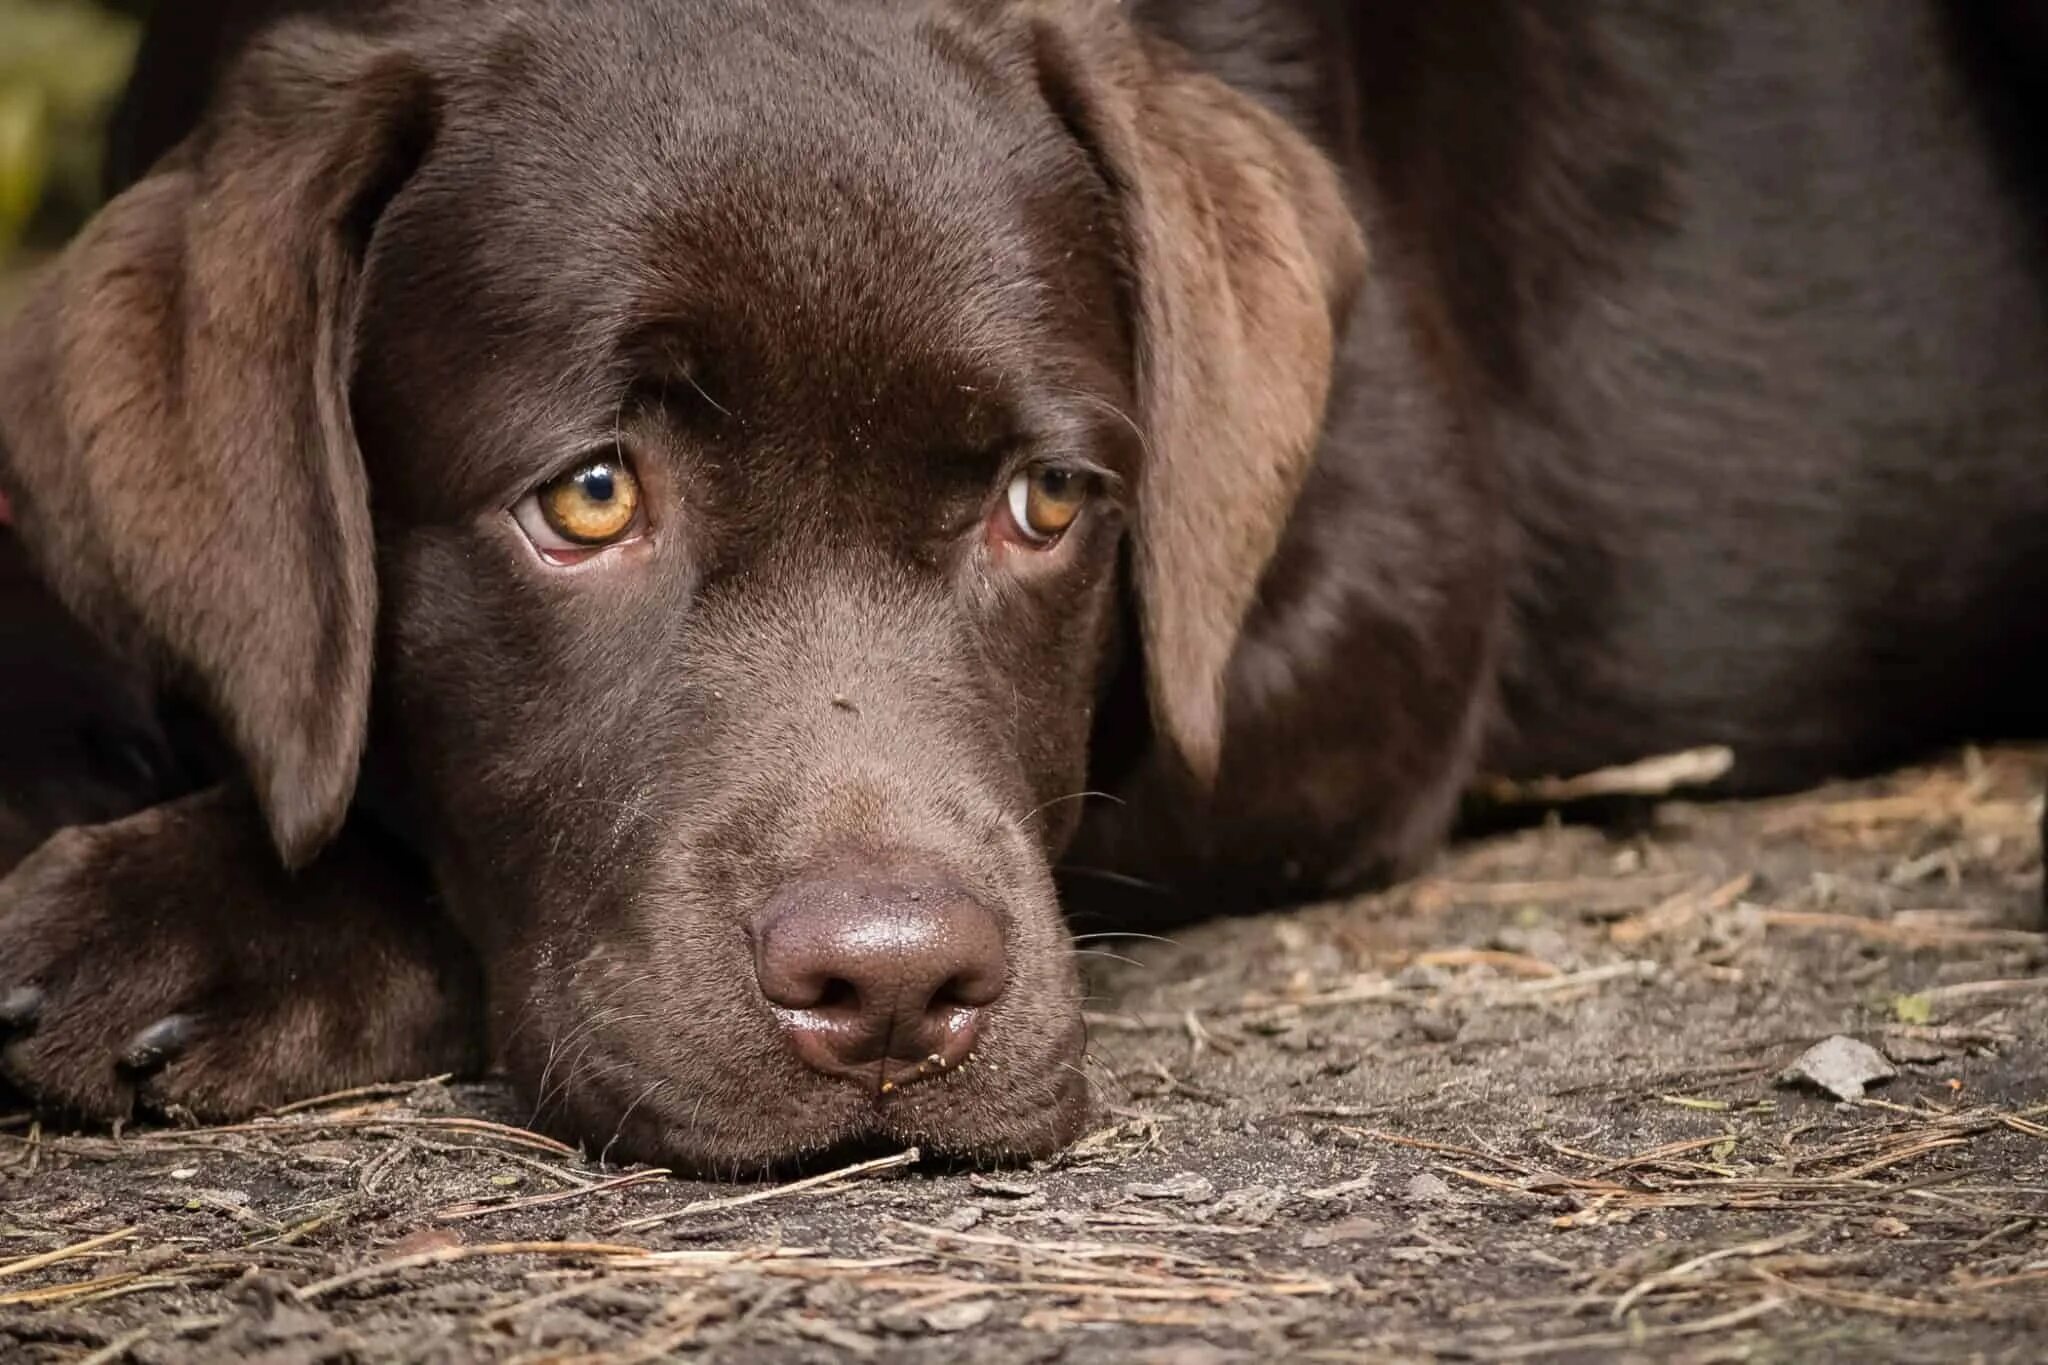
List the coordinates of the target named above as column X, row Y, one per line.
column 881, row 982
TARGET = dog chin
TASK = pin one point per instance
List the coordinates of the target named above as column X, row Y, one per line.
column 781, row 1129
column 975, row 1141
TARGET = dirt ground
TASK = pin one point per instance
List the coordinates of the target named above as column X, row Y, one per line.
column 1528, row 1107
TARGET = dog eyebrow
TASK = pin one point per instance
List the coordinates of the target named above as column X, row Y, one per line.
column 662, row 354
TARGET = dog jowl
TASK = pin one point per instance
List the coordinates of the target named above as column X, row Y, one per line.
column 648, row 502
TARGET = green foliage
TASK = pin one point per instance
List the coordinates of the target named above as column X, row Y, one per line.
column 62, row 63
column 1913, row 1009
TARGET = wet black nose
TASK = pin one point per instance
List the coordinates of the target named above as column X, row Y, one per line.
column 879, row 981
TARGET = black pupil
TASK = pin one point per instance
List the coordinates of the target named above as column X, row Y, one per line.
column 598, row 483
column 1053, row 482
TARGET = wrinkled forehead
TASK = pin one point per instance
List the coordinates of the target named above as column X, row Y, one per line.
column 798, row 209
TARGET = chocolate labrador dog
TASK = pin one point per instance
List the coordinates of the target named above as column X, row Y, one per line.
column 615, row 536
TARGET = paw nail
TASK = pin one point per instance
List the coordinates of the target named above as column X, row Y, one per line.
column 20, row 1008
column 158, row 1044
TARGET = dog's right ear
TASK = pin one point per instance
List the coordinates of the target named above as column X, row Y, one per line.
column 174, row 412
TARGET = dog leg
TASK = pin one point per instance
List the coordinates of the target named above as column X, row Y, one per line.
column 166, row 962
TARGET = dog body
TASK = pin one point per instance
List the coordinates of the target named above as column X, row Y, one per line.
column 1665, row 375
column 1271, row 415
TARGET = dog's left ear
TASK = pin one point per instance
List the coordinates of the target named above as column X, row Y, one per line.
column 174, row 412
column 1243, row 260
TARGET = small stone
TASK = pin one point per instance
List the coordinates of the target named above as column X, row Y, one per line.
column 424, row 1241
column 834, row 1298
column 262, row 1290
column 151, row 1259
column 842, row 1339
column 1889, row 1227
column 432, row 1097
column 1302, row 1039
column 1007, row 1189
column 1030, row 1203
column 1840, row 1066
column 959, row 1317
column 1543, row 940
column 1344, row 1230
column 1909, row 1051
column 1186, row 1186
column 962, row 1218
column 1422, row 977
column 1427, row 1189
column 1435, row 1027
column 1249, row 1204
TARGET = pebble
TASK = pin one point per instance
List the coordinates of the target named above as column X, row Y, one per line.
column 1841, row 1066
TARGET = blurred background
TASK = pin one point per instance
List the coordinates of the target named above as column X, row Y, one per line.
column 62, row 63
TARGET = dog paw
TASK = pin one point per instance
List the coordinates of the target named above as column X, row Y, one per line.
column 165, row 964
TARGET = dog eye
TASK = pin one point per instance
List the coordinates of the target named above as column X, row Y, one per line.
column 1044, row 502
column 591, row 506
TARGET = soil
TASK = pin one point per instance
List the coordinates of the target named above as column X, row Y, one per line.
column 1527, row 1107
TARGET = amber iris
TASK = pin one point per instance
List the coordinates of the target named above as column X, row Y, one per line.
column 1045, row 502
column 593, row 504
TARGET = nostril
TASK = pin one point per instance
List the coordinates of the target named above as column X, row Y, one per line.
column 966, row 990
column 838, row 996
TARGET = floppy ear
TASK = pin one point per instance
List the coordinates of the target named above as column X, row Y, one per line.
column 174, row 416
column 1242, row 259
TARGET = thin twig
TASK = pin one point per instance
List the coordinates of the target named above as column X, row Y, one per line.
column 458, row 1212
column 1658, row 776
column 320, row 1289
column 1685, row 1268
column 116, row 1349
column 1594, row 1341
column 909, row 1157
column 28, row 1263
column 387, row 1090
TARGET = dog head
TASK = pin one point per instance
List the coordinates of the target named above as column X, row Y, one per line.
column 685, row 468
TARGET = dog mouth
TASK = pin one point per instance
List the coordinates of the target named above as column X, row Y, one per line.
column 753, row 1108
